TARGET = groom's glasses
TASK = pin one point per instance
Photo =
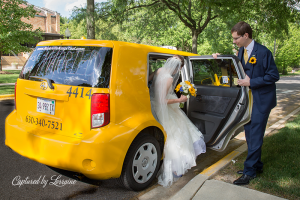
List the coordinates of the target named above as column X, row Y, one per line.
column 235, row 39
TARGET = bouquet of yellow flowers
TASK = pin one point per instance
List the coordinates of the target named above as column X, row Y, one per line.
column 187, row 89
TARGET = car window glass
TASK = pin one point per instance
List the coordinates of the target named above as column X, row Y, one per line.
column 76, row 66
column 155, row 63
column 214, row 72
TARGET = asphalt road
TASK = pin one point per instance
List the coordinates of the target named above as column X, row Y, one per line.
column 14, row 167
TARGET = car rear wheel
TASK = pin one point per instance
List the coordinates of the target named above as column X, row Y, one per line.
column 141, row 163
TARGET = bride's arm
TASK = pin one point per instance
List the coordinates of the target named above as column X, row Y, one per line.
column 151, row 76
column 181, row 99
column 171, row 101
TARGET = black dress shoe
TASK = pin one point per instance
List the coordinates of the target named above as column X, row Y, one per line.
column 259, row 171
column 243, row 180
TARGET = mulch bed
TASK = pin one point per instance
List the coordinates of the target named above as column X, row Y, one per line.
column 5, row 72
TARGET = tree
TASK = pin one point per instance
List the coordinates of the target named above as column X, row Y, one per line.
column 77, row 28
column 153, row 27
column 194, row 14
column 90, row 8
column 270, row 16
column 14, row 33
column 287, row 54
column 88, row 16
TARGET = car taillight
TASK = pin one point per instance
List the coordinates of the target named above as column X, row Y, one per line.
column 100, row 111
column 16, row 95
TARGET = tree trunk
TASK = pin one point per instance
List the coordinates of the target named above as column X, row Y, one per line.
column 194, row 41
column 90, row 9
column 0, row 61
column 274, row 48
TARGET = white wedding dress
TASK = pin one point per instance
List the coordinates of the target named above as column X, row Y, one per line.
column 184, row 141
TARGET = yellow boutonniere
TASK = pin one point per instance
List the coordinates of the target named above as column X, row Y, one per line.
column 252, row 60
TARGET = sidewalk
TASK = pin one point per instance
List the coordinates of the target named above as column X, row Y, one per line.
column 7, row 84
column 202, row 187
column 216, row 190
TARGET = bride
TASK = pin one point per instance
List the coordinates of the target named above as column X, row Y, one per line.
column 184, row 141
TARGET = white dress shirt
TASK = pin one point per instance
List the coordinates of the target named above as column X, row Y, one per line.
column 249, row 48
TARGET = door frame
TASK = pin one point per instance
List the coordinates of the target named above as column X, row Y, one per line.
column 237, row 117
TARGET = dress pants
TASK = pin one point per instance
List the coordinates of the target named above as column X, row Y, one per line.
column 254, row 131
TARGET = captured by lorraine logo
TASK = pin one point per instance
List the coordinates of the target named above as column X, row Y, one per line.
column 43, row 86
column 55, row 180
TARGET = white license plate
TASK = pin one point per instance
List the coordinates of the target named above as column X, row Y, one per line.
column 45, row 106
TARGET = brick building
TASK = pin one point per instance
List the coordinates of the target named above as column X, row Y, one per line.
column 45, row 19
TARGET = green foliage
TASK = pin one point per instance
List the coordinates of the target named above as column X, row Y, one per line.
column 77, row 29
column 289, row 69
column 63, row 20
column 154, row 23
column 270, row 17
column 13, row 31
column 287, row 54
column 216, row 38
column 77, row 23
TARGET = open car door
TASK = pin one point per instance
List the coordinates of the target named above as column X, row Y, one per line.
column 221, row 105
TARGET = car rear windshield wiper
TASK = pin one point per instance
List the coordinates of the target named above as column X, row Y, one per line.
column 49, row 81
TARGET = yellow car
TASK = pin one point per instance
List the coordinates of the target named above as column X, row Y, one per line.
column 84, row 106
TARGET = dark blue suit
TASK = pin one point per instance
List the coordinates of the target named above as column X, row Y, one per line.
column 263, row 75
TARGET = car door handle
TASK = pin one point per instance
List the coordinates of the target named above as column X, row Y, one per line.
column 199, row 98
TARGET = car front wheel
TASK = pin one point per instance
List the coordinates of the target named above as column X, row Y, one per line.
column 141, row 163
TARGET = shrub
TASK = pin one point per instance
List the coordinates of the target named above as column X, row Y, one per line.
column 289, row 69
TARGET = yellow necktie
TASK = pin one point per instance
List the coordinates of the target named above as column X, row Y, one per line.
column 245, row 56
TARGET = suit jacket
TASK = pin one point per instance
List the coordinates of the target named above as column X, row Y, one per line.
column 263, row 75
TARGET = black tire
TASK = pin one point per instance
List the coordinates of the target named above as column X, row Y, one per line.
column 139, row 175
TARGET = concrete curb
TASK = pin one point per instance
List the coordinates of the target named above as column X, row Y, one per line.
column 3, row 84
column 193, row 186
column 7, row 96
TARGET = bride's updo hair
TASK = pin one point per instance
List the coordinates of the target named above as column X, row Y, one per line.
column 181, row 58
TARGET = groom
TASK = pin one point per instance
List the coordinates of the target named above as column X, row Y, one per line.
column 261, row 75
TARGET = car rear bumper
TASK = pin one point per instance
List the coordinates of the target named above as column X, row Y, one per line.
column 99, row 156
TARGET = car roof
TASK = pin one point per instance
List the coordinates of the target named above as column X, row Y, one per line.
column 111, row 43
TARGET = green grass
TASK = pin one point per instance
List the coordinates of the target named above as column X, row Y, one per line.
column 13, row 71
column 9, row 78
column 7, row 89
column 281, row 158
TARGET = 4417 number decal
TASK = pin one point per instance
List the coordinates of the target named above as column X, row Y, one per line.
column 79, row 92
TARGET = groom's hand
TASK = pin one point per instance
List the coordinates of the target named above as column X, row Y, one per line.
column 244, row 82
column 215, row 55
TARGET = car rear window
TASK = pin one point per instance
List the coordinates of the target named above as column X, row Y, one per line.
column 76, row 66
